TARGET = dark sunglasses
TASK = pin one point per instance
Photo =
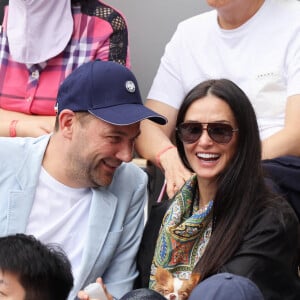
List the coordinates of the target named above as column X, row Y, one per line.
column 190, row 132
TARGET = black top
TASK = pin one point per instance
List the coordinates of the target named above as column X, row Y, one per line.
column 269, row 254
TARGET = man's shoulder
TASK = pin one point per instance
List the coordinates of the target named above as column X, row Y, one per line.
column 129, row 177
column 199, row 19
column 288, row 11
column 103, row 11
column 131, row 169
column 21, row 142
column 15, row 148
column 286, row 5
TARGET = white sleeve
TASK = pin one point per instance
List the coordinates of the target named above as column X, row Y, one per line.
column 167, row 86
column 293, row 66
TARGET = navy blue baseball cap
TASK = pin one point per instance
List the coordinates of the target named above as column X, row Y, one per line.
column 107, row 90
column 226, row 286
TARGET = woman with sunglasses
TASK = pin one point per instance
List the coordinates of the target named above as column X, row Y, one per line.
column 225, row 218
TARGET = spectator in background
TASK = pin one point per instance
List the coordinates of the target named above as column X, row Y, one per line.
column 256, row 44
column 76, row 187
column 30, row 270
column 42, row 42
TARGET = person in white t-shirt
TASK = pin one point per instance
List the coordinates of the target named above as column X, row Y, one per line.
column 256, row 44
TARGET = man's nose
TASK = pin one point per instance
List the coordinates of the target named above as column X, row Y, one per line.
column 125, row 154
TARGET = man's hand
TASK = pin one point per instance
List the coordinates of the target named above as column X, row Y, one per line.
column 89, row 290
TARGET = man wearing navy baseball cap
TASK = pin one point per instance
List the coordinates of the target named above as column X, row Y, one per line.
column 76, row 187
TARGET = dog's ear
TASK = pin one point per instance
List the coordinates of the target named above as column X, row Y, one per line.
column 195, row 278
column 162, row 275
column 189, row 285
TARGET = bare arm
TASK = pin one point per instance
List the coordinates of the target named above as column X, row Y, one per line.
column 287, row 140
column 28, row 125
column 154, row 138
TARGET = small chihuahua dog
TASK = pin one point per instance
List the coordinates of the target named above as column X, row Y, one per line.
column 174, row 288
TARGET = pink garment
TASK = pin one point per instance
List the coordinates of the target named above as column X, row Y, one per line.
column 99, row 33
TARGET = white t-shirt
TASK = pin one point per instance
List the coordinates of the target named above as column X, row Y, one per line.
column 59, row 215
column 262, row 56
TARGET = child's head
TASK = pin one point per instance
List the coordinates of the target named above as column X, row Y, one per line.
column 30, row 270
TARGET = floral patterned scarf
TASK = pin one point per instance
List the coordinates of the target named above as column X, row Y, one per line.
column 184, row 233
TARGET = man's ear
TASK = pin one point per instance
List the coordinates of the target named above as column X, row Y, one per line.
column 66, row 122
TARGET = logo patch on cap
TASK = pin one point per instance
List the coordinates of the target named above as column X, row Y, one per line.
column 130, row 86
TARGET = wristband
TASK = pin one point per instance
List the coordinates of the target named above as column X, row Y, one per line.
column 158, row 155
column 12, row 128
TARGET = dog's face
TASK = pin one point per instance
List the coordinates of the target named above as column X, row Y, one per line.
column 174, row 288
